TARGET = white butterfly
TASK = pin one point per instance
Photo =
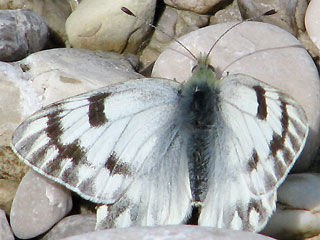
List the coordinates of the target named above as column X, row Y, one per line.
column 154, row 151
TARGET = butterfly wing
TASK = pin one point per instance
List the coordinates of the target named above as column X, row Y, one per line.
column 259, row 133
column 108, row 145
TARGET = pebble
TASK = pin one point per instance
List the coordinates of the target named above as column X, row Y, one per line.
column 289, row 16
column 8, row 189
column 11, row 168
column 87, row 26
column 5, row 231
column 174, row 232
column 21, row 32
column 71, row 226
column 39, row 203
column 54, row 13
column 312, row 22
column 260, row 50
column 297, row 215
column 197, row 6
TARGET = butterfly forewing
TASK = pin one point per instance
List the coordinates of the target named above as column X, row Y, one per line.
column 263, row 132
column 99, row 142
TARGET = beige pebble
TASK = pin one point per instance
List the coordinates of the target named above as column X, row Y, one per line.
column 39, row 203
column 101, row 25
column 259, row 50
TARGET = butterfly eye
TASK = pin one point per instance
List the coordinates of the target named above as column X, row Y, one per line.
column 211, row 68
column 194, row 67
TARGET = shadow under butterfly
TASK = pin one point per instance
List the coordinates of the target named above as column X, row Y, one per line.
column 153, row 150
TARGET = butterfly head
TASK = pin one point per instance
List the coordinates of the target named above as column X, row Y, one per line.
column 203, row 73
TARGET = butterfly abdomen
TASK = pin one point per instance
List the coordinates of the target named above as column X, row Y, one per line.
column 199, row 100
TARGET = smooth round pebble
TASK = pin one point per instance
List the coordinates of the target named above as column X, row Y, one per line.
column 39, row 203
column 5, row 231
column 101, row 25
column 259, row 50
column 312, row 22
column 173, row 232
column 72, row 225
column 297, row 215
column 22, row 32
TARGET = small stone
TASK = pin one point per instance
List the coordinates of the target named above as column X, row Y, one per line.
column 71, row 226
column 297, row 215
column 5, row 231
column 8, row 189
column 11, row 168
column 101, row 25
column 173, row 232
column 22, row 32
column 54, row 13
column 289, row 14
column 259, row 50
column 312, row 22
column 39, row 203
column 197, row 6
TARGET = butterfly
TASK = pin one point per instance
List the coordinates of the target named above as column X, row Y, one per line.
column 154, row 151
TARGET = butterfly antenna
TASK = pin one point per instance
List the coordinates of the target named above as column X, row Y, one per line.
column 127, row 11
column 270, row 12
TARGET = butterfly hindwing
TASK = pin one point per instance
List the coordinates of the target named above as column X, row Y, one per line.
column 259, row 133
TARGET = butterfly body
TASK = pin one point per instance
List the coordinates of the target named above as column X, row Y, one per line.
column 198, row 101
column 152, row 149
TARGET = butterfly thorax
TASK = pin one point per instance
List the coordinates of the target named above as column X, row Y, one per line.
column 199, row 100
